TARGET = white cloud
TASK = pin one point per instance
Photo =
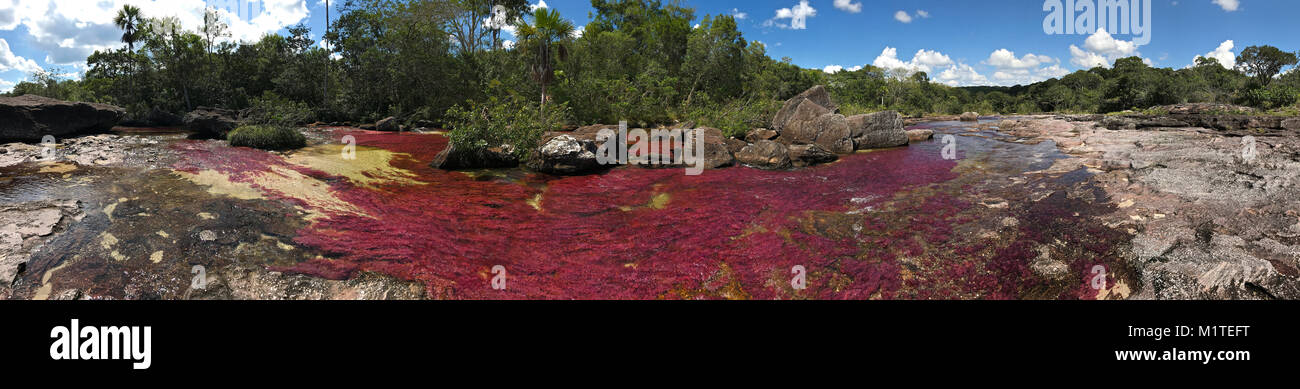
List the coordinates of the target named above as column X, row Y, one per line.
column 1223, row 53
column 735, row 12
column 6, row 86
column 902, row 16
column 961, row 75
column 922, row 61
column 1025, row 70
column 798, row 16
column 832, row 69
column 70, row 30
column 848, row 6
column 1228, row 5
column 1101, row 49
column 10, row 61
column 540, row 4
column 577, row 31
column 508, row 44
column 922, row 13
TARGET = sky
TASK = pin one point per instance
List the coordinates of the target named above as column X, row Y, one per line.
column 956, row 42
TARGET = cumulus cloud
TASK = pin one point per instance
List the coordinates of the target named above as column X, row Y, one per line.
column 832, row 69
column 1101, row 49
column 922, row 13
column 540, row 4
column 735, row 12
column 798, row 16
column 69, row 31
column 902, row 16
column 10, row 61
column 961, row 75
column 1023, row 70
column 6, row 86
column 1223, row 53
column 922, row 61
column 1227, row 5
column 848, row 6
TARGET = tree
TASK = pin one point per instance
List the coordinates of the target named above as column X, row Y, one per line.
column 129, row 19
column 213, row 27
column 545, row 40
column 1264, row 62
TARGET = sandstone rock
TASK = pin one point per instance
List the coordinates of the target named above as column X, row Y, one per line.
column 817, row 95
column 734, row 145
column 454, row 158
column 765, row 154
column 919, row 135
column 212, row 122
column 368, row 127
column 566, row 155
column 970, row 117
column 161, row 118
column 758, row 134
column 716, row 152
column 808, row 155
column 877, row 130
column 388, row 124
column 29, row 118
column 830, row 131
column 1292, row 124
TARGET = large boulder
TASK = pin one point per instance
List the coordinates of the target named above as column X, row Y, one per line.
column 566, row 155
column 212, row 122
column 808, row 155
column 758, row 134
column 877, row 130
column 716, row 152
column 162, row 118
column 919, row 135
column 388, row 124
column 817, row 95
column 970, row 117
column 458, row 158
column 29, row 118
column 1292, row 124
column 765, row 154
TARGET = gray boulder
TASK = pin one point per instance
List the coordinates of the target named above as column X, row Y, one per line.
column 457, row 158
column 765, row 154
column 808, row 155
column 1292, row 124
column 970, row 117
column 388, row 124
column 817, row 95
column 212, row 122
column 566, row 155
column 29, row 118
column 877, row 130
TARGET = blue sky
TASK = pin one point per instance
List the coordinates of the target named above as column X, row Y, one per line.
column 959, row 42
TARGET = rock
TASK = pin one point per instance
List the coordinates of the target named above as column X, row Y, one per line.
column 566, row 155
column 970, row 117
column 919, row 135
column 388, row 124
column 765, row 154
column 877, row 130
column 808, row 155
column 733, row 145
column 367, row 127
column 29, row 118
column 24, row 227
column 830, row 131
column 817, row 95
column 716, row 152
column 212, row 122
column 1292, row 124
column 454, row 158
column 758, row 134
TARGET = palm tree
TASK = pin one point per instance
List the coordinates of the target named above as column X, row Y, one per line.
column 547, row 33
column 129, row 20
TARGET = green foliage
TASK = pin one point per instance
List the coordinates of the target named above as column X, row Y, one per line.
column 267, row 137
column 735, row 117
column 273, row 110
column 1264, row 62
column 510, row 119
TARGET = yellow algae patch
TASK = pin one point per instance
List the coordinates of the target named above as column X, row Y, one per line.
column 220, row 184
column 163, row 234
column 660, row 201
column 1119, row 291
column 57, row 167
column 107, row 241
column 280, row 180
column 283, row 246
column 206, row 216
column 156, row 257
column 43, row 293
column 536, row 202
column 117, row 256
column 372, row 166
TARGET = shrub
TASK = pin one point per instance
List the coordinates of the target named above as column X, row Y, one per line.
column 276, row 111
column 736, row 117
column 511, row 119
column 267, row 137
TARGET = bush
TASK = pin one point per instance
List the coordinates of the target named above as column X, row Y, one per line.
column 276, row 111
column 267, row 137
column 511, row 119
column 734, row 118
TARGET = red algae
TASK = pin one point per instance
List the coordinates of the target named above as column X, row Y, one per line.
column 865, row 227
